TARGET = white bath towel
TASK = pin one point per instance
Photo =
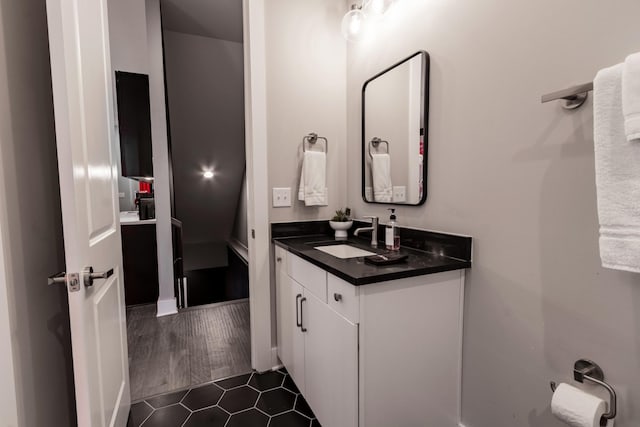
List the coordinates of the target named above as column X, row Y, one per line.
column 631, row 97
column 617, row 176
column 381, row 174
column 313, row 179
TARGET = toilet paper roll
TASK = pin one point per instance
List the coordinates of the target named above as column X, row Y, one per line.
column 578, row 408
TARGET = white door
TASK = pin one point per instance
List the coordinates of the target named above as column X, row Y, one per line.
column 84, row 117
column 331, row 364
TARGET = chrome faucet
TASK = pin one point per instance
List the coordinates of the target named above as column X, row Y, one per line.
column 373, row 229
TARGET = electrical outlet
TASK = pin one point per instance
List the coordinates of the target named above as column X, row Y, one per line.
column 281, row 197
column 399, row 194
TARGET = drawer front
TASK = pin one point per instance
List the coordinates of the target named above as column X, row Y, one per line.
column 343, row 298
column 308, row 275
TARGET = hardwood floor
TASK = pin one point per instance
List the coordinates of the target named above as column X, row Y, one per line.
column 193, row 347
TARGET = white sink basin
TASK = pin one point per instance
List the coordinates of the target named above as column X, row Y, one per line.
column 343, row 251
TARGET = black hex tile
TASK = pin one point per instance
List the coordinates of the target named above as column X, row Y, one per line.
column 250, row 418
column 276, row 401
column 303, row 407
column 238, row 399
column 234, row 381
column 202, row 397
column 210, row 417
column 290, row 385
column 139, row 413
column 289, row 419
column 166, row 399
column 212, row 404
column 267, row 380
column 173, row 415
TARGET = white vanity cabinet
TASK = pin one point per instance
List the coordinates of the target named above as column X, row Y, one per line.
column 376, row 355
column 317, row 345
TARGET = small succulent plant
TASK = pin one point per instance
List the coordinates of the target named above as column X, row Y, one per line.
column 342, row 216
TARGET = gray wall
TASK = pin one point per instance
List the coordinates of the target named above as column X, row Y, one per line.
column 206, row 107
column 128, row 40
column 518, row 176
column 30, row 220
column 306, row 92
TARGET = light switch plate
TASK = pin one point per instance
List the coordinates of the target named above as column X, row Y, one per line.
column 399, row 194
column 281, row 197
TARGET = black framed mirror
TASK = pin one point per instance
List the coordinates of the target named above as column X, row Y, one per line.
column 395, row 111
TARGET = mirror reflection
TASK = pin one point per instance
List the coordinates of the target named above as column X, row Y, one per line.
column 394, row 116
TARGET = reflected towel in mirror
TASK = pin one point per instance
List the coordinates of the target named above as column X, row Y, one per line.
column 381, row 174
column 313, row 179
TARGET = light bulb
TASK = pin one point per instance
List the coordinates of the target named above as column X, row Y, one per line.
column 378, row 7
column 207, row 174
column 353, row 24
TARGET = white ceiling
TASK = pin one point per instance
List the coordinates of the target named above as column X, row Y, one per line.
column 219, row 19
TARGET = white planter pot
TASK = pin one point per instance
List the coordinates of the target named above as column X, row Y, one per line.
column 341, row 228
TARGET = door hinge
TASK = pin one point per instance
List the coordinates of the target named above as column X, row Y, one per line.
column 253, row 233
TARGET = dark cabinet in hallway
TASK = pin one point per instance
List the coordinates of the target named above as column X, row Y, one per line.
column 140, row 264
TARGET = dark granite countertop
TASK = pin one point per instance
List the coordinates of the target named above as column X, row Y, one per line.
column 357, row 272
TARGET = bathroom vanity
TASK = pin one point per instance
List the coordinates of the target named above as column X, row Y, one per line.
column 367, row 345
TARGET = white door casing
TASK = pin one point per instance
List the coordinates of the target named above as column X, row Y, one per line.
column 84, row 117
column 263, row 356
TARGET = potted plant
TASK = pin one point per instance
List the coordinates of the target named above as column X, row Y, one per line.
column 341, row 222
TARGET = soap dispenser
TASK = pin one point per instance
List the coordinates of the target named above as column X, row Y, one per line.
column 392, row 233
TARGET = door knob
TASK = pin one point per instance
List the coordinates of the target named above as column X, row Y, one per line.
column 72, row 280
column 90, row 276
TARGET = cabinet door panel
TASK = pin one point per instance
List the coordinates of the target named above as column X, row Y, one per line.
column 331, row 365
column 290, row 337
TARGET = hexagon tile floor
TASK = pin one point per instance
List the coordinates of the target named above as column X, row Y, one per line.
column 250, row 400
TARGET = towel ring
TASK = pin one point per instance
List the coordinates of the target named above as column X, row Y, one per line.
column 312, row 138
column 375, row 142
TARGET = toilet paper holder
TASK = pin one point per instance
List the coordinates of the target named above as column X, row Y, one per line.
column 588, row 370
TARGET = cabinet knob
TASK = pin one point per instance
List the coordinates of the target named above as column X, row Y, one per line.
column 337, row 297
column 279, row 259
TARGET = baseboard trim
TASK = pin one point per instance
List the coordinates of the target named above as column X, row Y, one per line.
column 274, row 358
column 166, row 307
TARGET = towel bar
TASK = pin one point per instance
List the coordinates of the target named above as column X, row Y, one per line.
column 375, row 142
column 574, row 96
column 312, row 138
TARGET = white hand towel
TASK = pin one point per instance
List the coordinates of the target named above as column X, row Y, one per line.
column 381, row 174
column 631, row 96
column 313, row 181
column 617, row 176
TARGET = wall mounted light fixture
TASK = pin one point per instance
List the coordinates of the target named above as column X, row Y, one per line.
column 355, row 21
column 378, row 7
